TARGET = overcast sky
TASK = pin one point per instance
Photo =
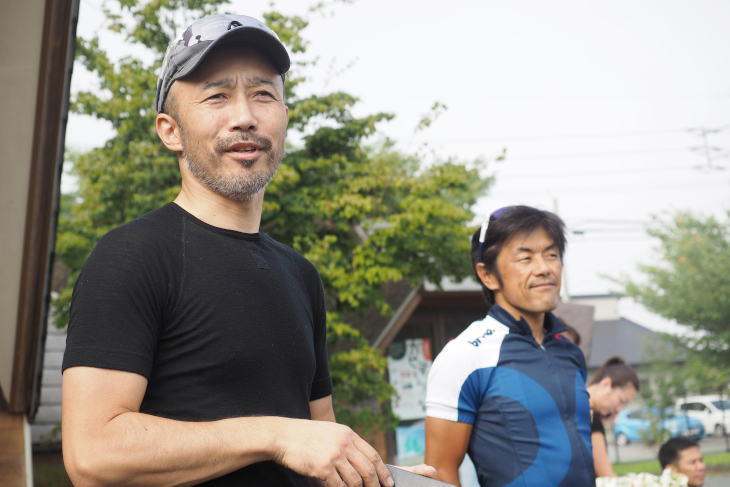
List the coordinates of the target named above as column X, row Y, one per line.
column 598, row 104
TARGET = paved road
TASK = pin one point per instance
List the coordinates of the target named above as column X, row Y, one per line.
column 637, row 452
column 715, row 481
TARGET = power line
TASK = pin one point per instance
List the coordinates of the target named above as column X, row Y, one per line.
column 593, row 154
column 677, row 187
column 471, row 98
column 581, row 231
column 561, row 137
column 606, row 221
column 594, row 173
column 610, row 239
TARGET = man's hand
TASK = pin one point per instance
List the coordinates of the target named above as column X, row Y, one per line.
column 422, row 469
column 330, row 452
column 321, row 410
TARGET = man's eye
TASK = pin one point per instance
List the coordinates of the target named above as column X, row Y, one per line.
column 217, row 96
column 265, row 93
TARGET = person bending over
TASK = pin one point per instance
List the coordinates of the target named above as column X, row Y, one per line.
column 612, row 388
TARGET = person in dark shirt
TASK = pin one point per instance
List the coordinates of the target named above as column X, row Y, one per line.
column 613, row 386
column 196, row 348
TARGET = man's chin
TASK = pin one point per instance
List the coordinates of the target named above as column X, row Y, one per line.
column 545, row 305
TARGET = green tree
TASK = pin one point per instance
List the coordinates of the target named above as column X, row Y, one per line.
column 674, row 374
column 691, row 283
column 667, row 381
column 362, row 212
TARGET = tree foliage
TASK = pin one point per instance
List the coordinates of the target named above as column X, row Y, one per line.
column 362, row 212
column 691, row 283
column 672, row 375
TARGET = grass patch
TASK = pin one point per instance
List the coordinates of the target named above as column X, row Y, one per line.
column 651, row 466
column 718, row 462
column 712, row 459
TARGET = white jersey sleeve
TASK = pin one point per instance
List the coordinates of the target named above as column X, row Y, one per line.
column 459, row 376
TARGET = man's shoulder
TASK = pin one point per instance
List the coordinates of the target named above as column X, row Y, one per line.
column 479, row 343
column 152, row 226
column 145, row 236
column 481, row 333
column 458, row 375
column 304, row 265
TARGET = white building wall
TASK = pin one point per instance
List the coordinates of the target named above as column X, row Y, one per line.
column 46, row 427
column 606, row 307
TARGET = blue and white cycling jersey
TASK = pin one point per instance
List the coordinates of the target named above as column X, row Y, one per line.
column 527, row 403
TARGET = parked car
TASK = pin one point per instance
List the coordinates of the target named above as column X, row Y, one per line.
column 631, row 424
column 709, row 410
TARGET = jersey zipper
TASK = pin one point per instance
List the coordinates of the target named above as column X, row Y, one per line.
column 576, row 438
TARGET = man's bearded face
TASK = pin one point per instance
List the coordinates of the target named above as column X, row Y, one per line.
column 242, row 185
column 232, row 121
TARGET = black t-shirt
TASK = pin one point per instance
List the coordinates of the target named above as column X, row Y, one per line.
column 222, row 324
column 597, row 426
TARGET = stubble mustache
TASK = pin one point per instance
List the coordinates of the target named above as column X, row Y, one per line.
column 222, row 144
column 236, row 187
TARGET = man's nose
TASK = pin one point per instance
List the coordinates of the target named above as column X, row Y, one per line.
column 541, row 266
column 243, row 117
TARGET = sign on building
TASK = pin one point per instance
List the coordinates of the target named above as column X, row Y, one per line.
column 408, row 366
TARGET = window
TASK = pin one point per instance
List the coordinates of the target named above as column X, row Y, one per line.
column 724, row 404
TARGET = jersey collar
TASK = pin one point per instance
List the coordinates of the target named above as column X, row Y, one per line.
column 552, row 323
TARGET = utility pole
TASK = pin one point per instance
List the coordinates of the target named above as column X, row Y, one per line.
column 564, row 294
column 724, row 429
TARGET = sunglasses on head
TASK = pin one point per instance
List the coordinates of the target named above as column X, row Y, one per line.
column 485, row 225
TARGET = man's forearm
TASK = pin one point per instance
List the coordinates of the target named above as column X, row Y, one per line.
column 106, row 441
column 138, row 449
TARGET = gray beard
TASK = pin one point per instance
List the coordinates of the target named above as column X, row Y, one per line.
column 239, row 187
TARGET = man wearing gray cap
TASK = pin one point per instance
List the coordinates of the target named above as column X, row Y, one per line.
column 196, row 348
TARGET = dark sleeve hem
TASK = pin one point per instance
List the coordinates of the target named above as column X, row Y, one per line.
column 107, row 359
column 321, row 388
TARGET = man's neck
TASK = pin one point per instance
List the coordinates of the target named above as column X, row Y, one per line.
column 218, row 211
column 536, row 321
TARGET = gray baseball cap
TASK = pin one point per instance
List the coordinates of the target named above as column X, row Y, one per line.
column 187, row 51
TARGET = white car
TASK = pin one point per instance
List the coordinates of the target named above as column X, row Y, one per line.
column 709, row 410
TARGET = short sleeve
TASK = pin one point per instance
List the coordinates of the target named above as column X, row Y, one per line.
column 450, row 394
column 460, row 375
column 322, row 383
column 117, row 305
column 597, row 424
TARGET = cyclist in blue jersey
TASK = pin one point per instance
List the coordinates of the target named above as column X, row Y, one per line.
column 510, row 390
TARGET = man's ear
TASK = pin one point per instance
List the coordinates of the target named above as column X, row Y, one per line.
column 169, row 132
column 489, row 279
